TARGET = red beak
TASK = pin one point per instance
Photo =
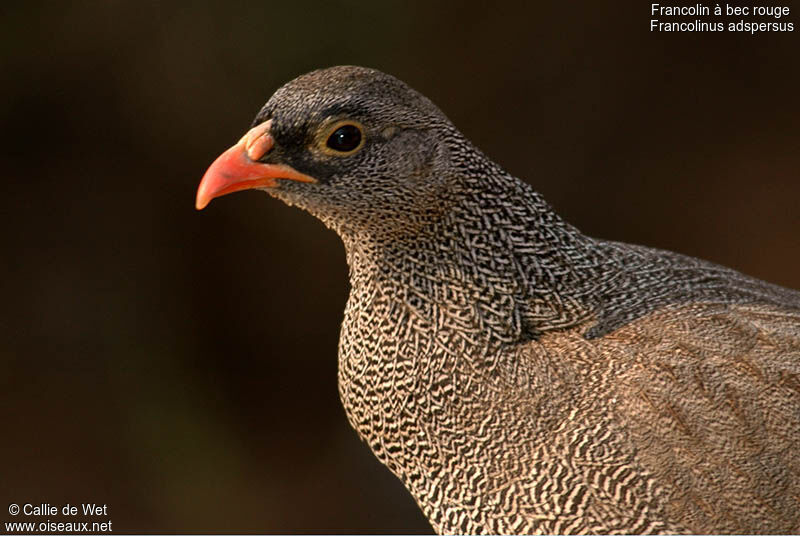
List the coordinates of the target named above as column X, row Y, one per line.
column 238, row 168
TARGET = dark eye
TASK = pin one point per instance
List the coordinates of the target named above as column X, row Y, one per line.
column 344, row 139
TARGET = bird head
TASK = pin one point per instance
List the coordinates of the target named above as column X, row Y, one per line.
column 357, row 148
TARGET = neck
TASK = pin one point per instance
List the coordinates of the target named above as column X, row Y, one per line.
column 502, row 272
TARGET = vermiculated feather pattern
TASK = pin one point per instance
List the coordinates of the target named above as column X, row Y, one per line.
column 521, row 377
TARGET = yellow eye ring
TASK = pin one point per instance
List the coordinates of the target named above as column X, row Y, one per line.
column 343, row 138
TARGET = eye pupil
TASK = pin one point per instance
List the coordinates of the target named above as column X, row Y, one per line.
column 345, row 138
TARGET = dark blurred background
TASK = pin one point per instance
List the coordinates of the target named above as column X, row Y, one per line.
column 180, row 366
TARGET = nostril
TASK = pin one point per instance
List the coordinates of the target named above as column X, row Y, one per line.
column 258, row 147
column 258, row 141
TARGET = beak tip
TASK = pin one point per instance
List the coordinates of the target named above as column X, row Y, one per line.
column 202, row 199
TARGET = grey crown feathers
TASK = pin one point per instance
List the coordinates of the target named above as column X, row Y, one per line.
column 517, row 375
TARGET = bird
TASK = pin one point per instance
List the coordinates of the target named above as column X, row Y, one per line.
column 517, row 375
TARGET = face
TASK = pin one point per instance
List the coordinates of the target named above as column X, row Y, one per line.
column 352, row 146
